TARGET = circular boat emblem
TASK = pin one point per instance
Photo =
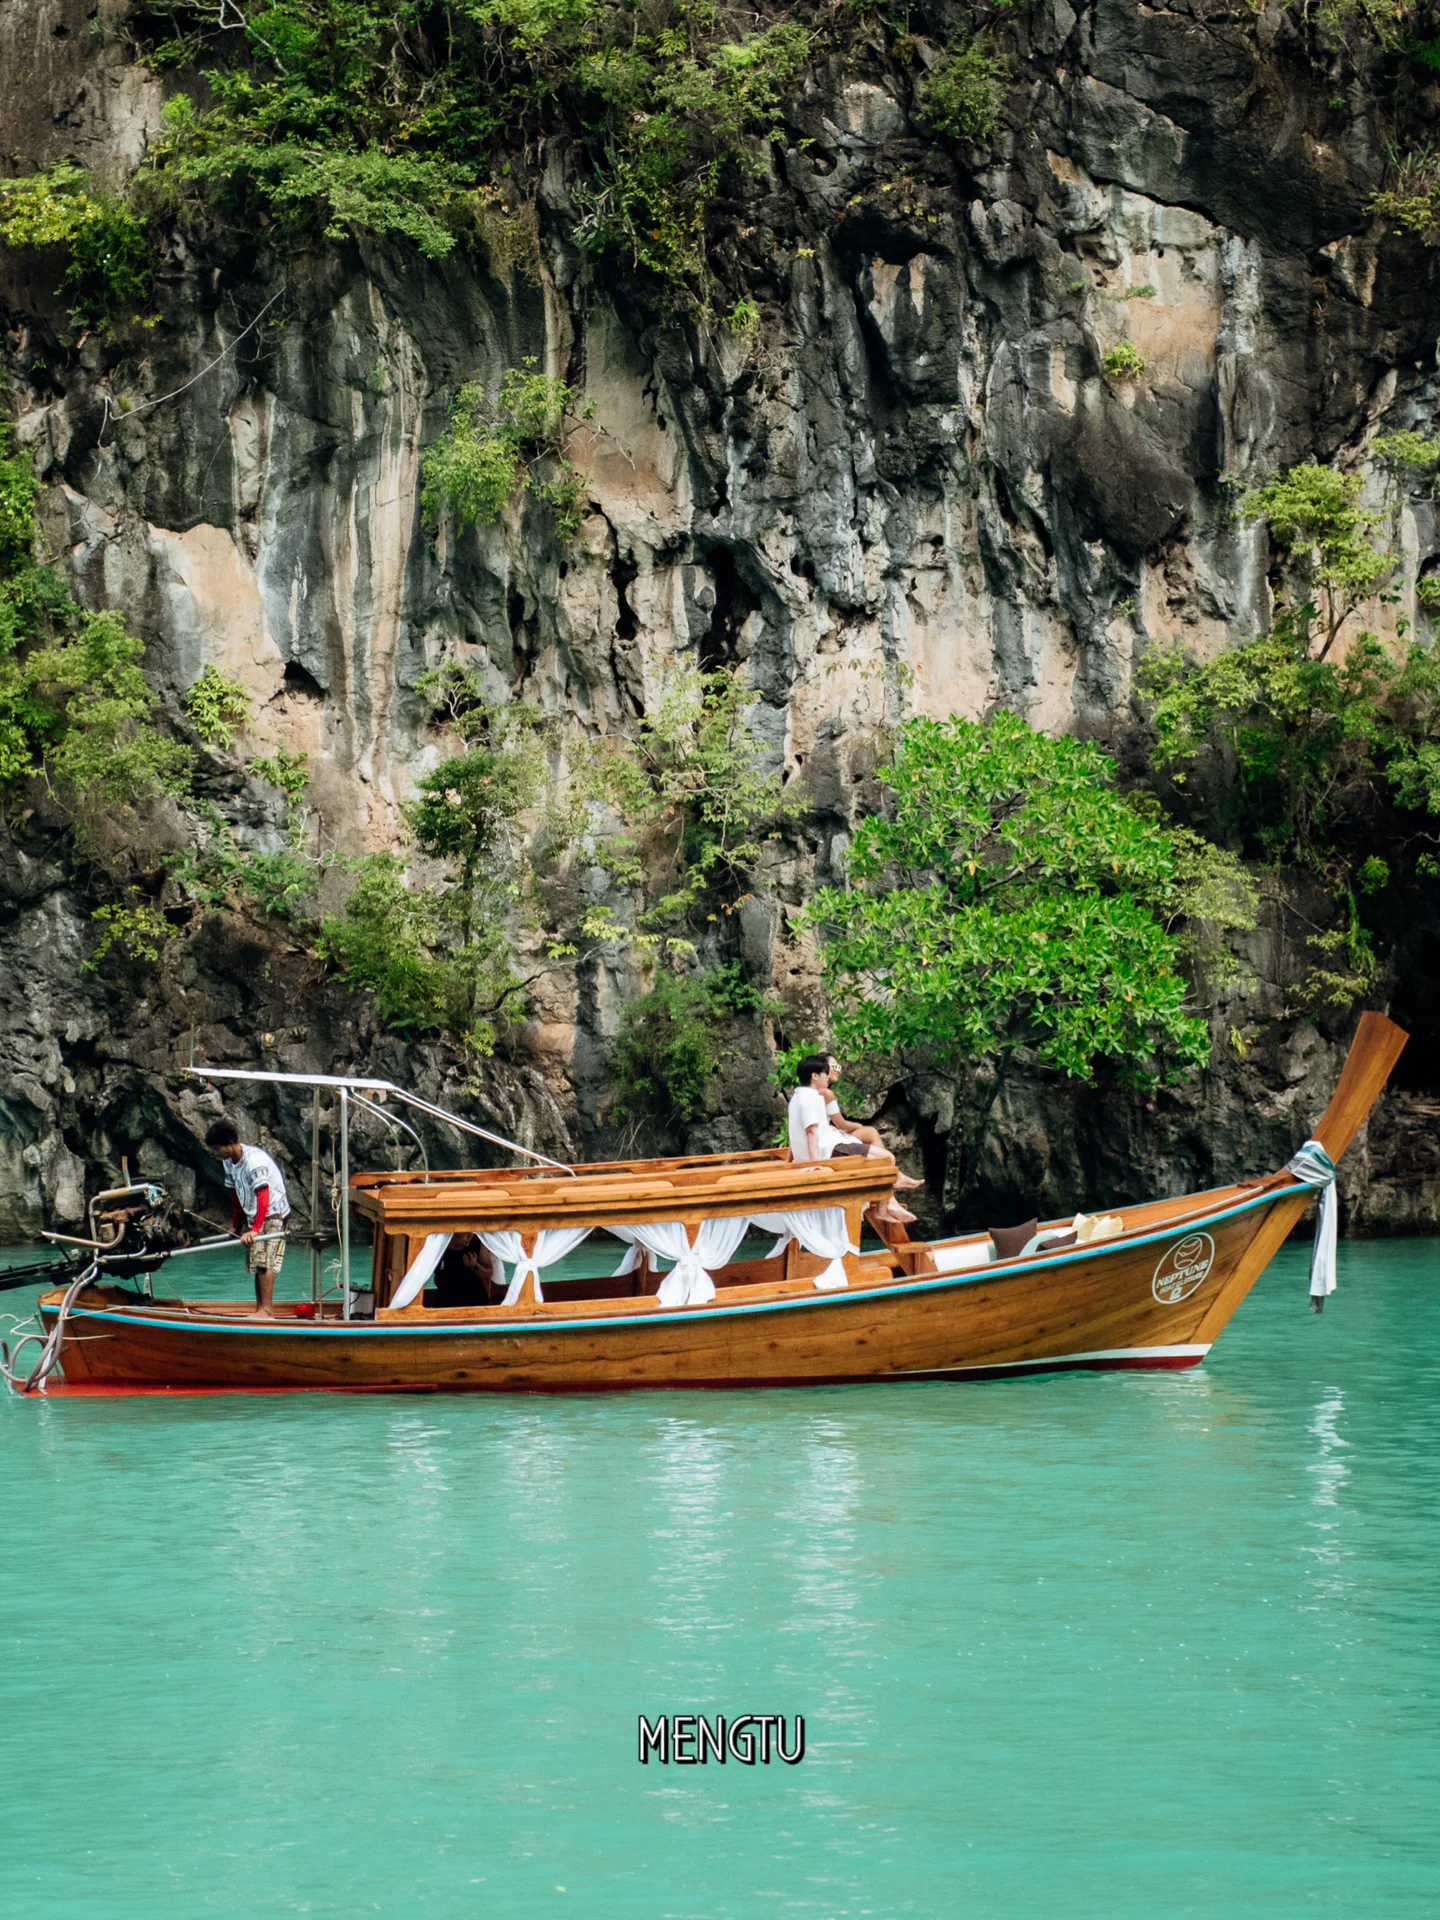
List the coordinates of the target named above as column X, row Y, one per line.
column 1182, row 1268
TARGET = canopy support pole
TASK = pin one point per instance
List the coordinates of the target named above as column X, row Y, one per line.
column 345, row 1198
column 317, row 1282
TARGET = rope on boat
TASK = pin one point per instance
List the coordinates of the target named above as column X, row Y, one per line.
column 50, row 1343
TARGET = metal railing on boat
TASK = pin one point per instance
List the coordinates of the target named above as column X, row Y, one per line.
column 358, row 1088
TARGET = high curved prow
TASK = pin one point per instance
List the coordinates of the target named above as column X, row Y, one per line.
column 1377, row 1045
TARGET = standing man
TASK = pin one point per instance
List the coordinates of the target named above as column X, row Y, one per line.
column 814, row 1137
column 259, row 1208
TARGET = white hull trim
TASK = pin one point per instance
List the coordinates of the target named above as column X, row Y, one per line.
column 1139, row 1355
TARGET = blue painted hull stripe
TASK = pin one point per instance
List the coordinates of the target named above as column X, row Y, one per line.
column 367, row 1330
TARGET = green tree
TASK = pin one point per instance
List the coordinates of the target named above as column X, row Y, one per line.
column 75, row 708
column 494, row 450
column 1009, row 899
column 104, row 243
column 697, row 800
column 671, row 1044
column 1315, row 514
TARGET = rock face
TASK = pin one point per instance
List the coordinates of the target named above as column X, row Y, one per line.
column 914, row 489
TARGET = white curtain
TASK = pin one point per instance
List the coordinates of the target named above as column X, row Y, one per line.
column 821, row 1231
column 420, row 1270
column 551, row 1247
column 688, row 1284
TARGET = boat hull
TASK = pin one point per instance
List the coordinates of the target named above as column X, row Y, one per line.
column 1155, row 1299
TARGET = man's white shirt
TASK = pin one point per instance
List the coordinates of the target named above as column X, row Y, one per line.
column 247, row 1175
column 807, row 1109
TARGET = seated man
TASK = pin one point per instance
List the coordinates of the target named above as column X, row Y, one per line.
column 812, row 1137
column 466, row 1276
column 867, row 1136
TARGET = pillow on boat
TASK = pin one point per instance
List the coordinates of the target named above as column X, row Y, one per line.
column 962, row 1259
column 1008, row 1241
column 1049, row 1243
column 1096, row 1226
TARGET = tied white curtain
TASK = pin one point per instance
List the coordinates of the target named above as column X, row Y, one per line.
column 821, row 1231
column 1314, row 1165
column 551, row 1246
column 420, row 1269
column 688, row 1284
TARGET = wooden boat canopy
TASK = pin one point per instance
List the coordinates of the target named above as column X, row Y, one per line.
column 617, row 1193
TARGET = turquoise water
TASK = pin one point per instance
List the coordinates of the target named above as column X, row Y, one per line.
column 1087, row 1645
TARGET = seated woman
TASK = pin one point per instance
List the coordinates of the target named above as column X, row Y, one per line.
column 867, row 1136
column 814, row 1137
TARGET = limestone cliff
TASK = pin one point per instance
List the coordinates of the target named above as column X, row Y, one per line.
column 912, row 489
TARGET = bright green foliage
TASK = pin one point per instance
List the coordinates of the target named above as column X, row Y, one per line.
column 450, row 966
column 299, row 176
column 1315, row 513
column 386, row 940
column 74, row 705
column 963, row 97
column 743, row 320
column 493, row 450
column 1123, row 362
column 1312, row 748
column 1009, row 897
column 107, row 271
column 219, row 872
column 138, row 931
column 389, row 117
column 697, row 800
column 288, row 772
column 218, row 707
column 1411, row 203
column 671, row 1043
column 1408, row 451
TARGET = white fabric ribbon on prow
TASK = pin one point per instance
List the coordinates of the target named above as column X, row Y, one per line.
column 1313, row 1165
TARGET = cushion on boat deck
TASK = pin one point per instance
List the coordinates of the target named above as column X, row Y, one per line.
column 961, row 1259
column 1097, row 1226
column 1008, row 1241
column 1049, row 1242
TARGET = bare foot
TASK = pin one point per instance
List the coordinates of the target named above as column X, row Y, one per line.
column 902, row 1216
column 904, row 1183
column 262, row 1313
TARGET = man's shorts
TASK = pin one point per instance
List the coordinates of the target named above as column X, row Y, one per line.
column 848, row 1147
column 266, row 1255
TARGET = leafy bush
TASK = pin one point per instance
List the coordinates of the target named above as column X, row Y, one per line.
column 75, row 709
column 1408, row 451
column 1411, row 203
column 962, row 98
column 218, row 707
column 699, row 806
column 1312, row 750
column 670, row 1046
column 1123, row 362
column 1314, row 513
column 386, row 940
column 219, row 872
column 107, row 272
column 397, row 118
column 139, row 931
column 1009, row 897
column 494, row 450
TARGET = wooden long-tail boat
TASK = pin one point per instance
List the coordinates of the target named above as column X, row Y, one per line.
column 1157, row 1293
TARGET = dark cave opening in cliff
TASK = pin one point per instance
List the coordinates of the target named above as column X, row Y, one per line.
column 735, row 601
